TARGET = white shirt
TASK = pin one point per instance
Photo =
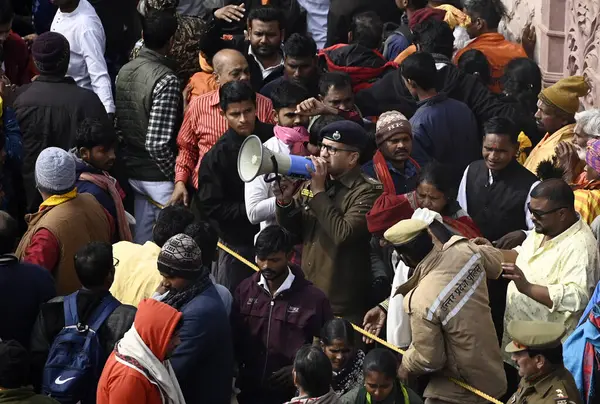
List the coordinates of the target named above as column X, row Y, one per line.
column 287, row 284
column 258, row 195
column 462, row 196
column 316, row 19
column 265, row 71
column 87, row 41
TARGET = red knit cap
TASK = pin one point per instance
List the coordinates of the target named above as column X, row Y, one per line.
column 424, row 14
column 387, row 211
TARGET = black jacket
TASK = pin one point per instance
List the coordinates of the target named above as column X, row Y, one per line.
column 295, row 15
column 49, row 111
column 221, row 191
column 213, row 42
column 51, row 321
column 390, row 93
column 340, row 15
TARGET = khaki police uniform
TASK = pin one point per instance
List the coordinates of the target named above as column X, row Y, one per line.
column 333, row 229
column 554, row 387
column 452, row 331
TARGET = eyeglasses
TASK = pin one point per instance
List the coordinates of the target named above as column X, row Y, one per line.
column 115, row 262
column 333, row 150
column 539, row 214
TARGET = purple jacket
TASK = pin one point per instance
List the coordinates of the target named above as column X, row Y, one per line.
column 268, row 332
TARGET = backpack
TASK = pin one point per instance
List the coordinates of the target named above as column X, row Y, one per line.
column 76, row 356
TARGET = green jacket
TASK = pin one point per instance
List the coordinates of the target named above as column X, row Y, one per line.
column 24, row 395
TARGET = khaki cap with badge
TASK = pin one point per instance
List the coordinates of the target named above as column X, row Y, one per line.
column 534, row 335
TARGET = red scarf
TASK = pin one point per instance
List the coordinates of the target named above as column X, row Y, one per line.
column 109, row 184
column 383, row 172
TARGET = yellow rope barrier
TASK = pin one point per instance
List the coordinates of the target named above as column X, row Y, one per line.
column 369, row 335
column 357, row 328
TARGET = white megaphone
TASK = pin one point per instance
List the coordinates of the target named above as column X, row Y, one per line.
column 254, row 159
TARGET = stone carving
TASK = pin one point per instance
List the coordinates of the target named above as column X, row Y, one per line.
column 583, row 45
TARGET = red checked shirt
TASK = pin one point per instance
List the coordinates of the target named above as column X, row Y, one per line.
column 202, row 126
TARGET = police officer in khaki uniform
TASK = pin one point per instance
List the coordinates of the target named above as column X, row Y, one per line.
column 537, row 350
column 328, row 214
column 446, row 299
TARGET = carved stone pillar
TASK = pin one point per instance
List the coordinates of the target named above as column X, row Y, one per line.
column 551, row 40
column 583, row 45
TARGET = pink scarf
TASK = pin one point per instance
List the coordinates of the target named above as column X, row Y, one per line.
column 295, row 138
column 109, row 184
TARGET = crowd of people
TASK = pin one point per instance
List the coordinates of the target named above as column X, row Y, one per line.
column 449, row 206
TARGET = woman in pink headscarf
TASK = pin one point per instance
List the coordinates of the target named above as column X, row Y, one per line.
column 587, row 195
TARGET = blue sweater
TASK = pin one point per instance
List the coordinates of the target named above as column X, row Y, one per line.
column 203, row 362
column 445, row 130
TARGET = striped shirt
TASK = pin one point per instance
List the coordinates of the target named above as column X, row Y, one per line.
column 202, row 126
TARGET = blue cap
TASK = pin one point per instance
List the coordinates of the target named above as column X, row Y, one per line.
column 346, row 132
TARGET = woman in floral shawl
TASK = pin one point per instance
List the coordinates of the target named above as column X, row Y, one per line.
column 338, row 343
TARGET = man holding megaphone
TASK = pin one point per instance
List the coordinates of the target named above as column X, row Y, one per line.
column 328, row 215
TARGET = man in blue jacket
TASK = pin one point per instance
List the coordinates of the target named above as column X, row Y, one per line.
column 443, row 128
column 203, row 362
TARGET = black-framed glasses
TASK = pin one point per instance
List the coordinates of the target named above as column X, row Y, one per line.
column 538, row 214
column 333, row 150
column 115, row 262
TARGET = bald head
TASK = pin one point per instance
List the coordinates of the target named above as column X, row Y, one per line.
column 230, row 65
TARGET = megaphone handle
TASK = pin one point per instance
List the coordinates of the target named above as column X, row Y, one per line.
column 275, row 169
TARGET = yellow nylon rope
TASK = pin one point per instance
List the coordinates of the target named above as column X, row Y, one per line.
column 357, row 328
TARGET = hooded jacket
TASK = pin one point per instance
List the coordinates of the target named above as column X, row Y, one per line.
column 364, row 65
column 155, row 322
column 269, row 331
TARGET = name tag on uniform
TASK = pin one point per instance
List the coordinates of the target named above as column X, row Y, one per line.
column 307, row 192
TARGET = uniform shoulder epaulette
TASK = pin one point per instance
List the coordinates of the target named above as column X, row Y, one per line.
column 560, row 397
column 374, row 182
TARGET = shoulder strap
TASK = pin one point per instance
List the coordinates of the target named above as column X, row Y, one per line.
column 104, row 309
column 70, row 307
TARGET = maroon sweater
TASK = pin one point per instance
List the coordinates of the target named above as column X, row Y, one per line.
column 18, row 64
column 268, row 332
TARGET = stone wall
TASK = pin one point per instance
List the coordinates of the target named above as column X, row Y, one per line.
column 568, row 38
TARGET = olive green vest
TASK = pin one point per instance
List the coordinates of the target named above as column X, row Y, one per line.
column 134, row 87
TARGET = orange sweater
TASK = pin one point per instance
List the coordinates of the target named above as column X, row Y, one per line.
column 498, row 52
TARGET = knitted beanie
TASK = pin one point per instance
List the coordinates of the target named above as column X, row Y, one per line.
column 565, row 94
column 389, row 124
column 51, row 53
column 55, row 171
column 180, row 255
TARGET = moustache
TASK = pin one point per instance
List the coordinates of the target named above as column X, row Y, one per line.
column 398, row 151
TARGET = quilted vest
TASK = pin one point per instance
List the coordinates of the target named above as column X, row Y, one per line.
column 134, row 87
column 74, row 223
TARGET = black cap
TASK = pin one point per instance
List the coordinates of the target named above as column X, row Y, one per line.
column 346, row 132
